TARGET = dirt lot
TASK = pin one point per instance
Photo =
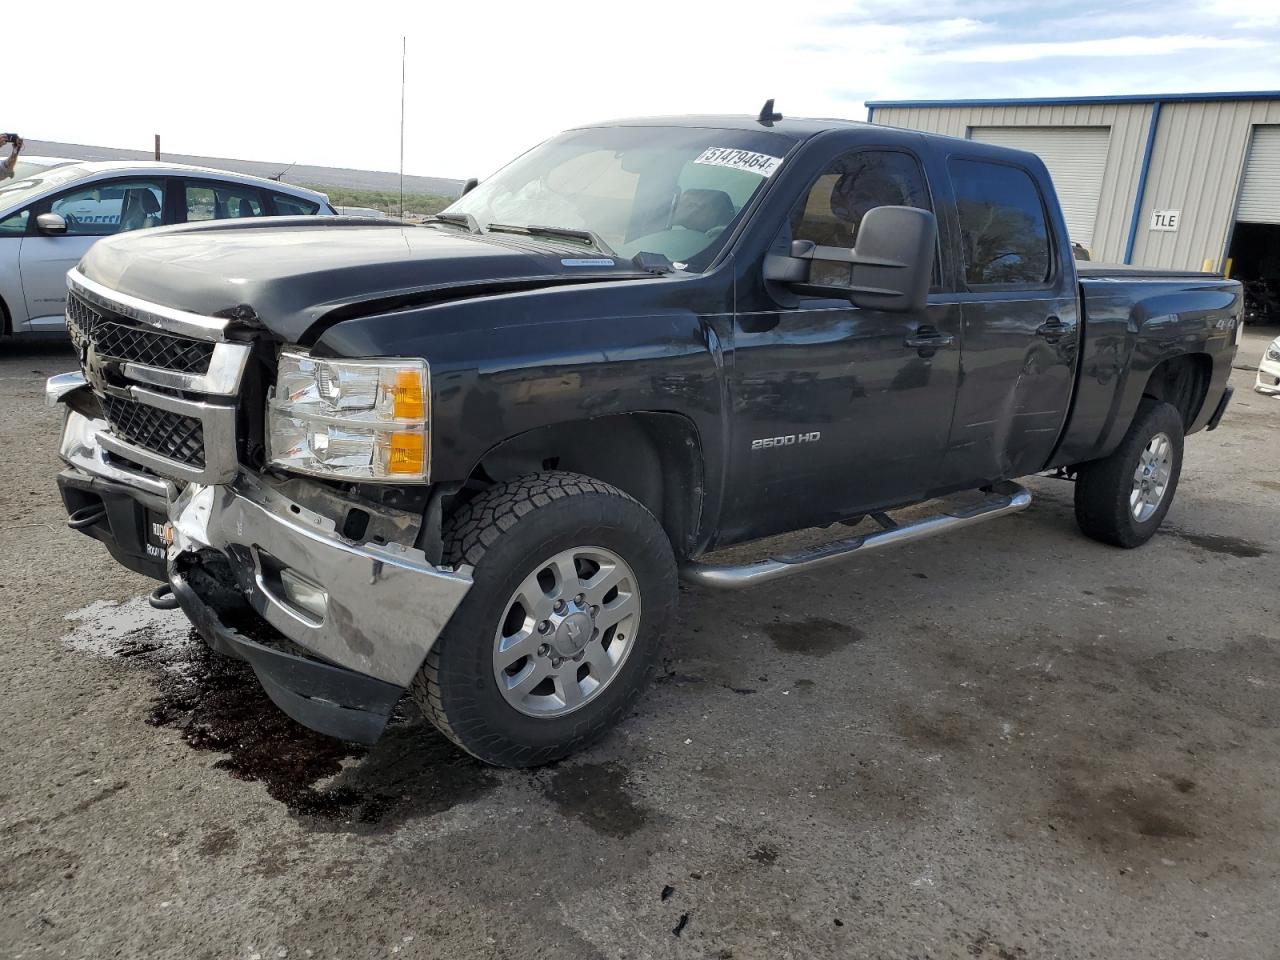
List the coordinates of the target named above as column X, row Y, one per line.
column 1007, row 743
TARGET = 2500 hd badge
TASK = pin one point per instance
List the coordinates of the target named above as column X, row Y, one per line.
column 466, row 461
column 767, row 443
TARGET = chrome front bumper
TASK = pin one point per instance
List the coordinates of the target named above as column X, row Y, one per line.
column 377, row 609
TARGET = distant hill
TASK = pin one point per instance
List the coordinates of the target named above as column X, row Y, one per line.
column 373, row 180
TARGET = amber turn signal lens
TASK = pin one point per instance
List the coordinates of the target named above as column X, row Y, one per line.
column 405, row 453
column 408, row 400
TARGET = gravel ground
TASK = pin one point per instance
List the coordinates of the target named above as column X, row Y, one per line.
column 1007, row 743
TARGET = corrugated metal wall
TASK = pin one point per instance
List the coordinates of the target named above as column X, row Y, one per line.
column 1128, row 123
column 1196, row 166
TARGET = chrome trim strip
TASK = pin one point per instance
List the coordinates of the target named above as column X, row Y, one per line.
column 59, row 385
column 1006, row 497
column 226, row 368
column 152, row 314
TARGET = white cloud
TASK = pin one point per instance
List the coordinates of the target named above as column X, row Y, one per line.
column 1131, row 46
column 490, row 78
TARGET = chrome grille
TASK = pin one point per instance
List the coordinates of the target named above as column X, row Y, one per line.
column 119, row 341
column 169, row 434
column 167, row 379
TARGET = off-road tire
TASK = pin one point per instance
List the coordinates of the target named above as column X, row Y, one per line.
column 502, row 533
column 1103, row 486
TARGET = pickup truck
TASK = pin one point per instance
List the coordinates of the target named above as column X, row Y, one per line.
column 469, row 460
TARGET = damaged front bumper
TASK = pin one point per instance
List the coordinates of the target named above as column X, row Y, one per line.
column 356, row 619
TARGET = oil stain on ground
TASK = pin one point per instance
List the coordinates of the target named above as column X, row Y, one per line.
column 597, row 794
column 815, row 637
column 1214, row 543
column 413, row 771
column 218, row 706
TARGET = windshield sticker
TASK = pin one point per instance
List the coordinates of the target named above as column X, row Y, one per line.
column 760, row 163
column 589, row 262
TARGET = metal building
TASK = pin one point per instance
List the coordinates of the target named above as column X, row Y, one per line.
column 1176, row 180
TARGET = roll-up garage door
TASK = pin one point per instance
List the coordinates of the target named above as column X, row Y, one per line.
column 1076, row 158
column 1260, row 190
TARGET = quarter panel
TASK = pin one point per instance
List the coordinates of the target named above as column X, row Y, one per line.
column 1131, row 325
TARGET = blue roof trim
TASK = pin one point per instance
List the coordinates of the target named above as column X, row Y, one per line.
column 1051, row 101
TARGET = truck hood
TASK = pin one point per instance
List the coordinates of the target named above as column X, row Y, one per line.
column 291, row 275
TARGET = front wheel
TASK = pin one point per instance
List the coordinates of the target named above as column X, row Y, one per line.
column 1122, row 499
column 574, row 585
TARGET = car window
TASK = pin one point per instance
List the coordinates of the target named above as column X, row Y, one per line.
column 107, row 208
column 14, row 225
column 855, row 183
column 287, row 206
column 210, row 201
column 1003, row 232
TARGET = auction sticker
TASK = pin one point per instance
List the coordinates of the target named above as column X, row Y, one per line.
column 735, row 159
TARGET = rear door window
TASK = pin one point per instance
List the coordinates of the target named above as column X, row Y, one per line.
column 221, row 201
column 1004, row 234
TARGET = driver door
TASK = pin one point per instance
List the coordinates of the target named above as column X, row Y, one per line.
column 839, row 410
column 93, row 211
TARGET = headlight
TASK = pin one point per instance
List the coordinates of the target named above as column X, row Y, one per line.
column 1273, row 351
column 359, row 419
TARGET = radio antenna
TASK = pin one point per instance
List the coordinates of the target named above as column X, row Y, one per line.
column 404, row 49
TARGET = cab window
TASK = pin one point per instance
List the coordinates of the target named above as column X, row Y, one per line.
column 221, row 201
column 107, row 208
column 855, row 183
column 1003, row 232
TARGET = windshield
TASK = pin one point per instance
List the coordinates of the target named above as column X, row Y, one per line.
column 674, row 191
column 15, row 193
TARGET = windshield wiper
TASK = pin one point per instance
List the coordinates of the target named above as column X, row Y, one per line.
column 563, row 233
column 456, row 220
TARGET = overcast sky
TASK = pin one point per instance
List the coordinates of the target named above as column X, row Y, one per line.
column 320, row 83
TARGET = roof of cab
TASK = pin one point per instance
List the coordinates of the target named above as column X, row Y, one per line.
column 800, row 128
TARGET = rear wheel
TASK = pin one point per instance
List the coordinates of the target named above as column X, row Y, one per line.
column 574, row 585
column 1122, row 499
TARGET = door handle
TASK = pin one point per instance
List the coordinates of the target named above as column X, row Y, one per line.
column 1053, row 330
column 929, row 338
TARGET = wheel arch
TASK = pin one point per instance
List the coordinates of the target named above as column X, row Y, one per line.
column 654, row 456
column 1182, row 381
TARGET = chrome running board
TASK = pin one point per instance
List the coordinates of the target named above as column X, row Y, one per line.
column 1000, row 499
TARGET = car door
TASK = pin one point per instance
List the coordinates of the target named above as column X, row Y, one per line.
column 91, row 211
column 1020, row 321
column 838, row 410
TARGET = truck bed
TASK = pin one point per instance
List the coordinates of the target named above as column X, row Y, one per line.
column 1134, row 319
column 1087, row 270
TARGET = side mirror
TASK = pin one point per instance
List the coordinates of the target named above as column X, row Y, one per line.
column 469, row 186
column 51, row 224
column 890, row 265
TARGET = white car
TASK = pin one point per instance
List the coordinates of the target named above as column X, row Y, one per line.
column 1269, row 370
column 51, row 216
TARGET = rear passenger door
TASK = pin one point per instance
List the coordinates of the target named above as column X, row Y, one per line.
column 1020, row 321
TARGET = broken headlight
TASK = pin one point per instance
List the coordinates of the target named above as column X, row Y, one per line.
column 355, row 419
